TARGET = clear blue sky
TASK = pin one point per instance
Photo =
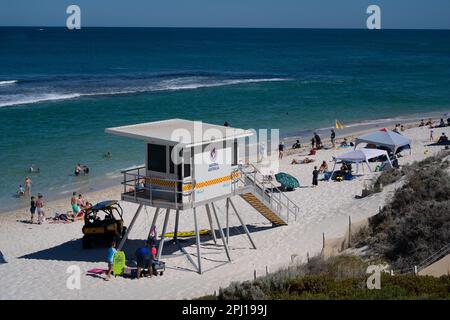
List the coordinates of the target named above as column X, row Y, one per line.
column 404, row 14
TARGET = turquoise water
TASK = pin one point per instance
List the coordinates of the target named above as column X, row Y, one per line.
column 60, row 89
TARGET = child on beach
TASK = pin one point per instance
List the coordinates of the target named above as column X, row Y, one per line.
column 40, row 208
column 431, row 136
column 32, row 208
column 111, row 252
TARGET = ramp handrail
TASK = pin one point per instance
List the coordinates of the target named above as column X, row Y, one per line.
column 434, row 257
column 270, row 195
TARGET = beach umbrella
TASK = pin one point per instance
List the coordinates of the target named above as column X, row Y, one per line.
column 287, row 181
column 339, row 125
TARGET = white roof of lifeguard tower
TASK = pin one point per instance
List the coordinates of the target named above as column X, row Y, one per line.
column 162, row 132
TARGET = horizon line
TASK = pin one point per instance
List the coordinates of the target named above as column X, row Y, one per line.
column 223, row 27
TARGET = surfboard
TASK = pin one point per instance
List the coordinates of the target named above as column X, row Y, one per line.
column 119, row 263
column 186, row 234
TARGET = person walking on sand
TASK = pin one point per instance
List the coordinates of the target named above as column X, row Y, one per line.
column 111, row 253
column 40, row 209
column 431, row 136
column 333, row 138
column 315, row 174
column 28, row 186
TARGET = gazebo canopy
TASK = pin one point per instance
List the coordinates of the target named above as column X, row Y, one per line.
column 386, row 138
column 361, row 155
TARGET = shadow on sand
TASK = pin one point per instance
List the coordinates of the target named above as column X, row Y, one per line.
column 2, row 259
column 73, row 251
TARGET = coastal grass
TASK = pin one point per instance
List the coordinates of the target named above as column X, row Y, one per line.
column 416, row 222
column 390, row 176
column 338, row 278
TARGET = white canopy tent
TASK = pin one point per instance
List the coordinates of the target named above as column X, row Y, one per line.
column 360, row 156
column 385, row 138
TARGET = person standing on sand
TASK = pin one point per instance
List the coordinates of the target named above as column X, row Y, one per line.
column 40, row 209
column 315, row 174
column 280, row 150
column 32, row 209
column 431, row 136
column 333, row 138
column 111, row 253
column 28, row 186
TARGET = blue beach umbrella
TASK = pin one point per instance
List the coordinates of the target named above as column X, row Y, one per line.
column 287, row 181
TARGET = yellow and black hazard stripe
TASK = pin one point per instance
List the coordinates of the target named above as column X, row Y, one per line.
column 189, row 186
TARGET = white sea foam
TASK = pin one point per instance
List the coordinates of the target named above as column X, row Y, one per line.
column 12, row 100
column 165, row 85
column 7, row 82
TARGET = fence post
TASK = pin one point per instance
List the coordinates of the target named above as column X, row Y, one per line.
column 254, row 274
column 349, row 231
column 323, row 240
column 307, row 256
column 415, row 270
column 267, row 270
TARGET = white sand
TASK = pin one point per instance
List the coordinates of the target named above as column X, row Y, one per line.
column 38, row 255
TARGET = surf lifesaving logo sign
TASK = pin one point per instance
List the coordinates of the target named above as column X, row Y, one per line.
column 213, row 157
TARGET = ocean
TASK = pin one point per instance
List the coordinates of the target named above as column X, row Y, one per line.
column 60, row 89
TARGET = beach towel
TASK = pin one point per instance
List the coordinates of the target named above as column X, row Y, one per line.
column 97, row 271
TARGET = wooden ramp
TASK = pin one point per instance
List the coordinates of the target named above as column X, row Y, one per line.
column 268, row 213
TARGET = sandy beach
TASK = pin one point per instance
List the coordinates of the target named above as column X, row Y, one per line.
column 34, row 258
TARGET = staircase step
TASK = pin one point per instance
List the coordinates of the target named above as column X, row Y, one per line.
column 265, row 211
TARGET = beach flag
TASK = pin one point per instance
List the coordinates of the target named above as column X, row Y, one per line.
column 339, row 125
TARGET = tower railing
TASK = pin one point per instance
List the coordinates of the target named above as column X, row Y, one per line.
column 267, row 192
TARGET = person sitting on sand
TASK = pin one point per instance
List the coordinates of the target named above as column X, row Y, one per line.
column 422, row 123
column 80, row 201
column 448, row 121
column 110, row 259
column 74, row 203
column 344, row 143
column 442, row 138
column 323, row 167
column 296, row 145
column 441, row 124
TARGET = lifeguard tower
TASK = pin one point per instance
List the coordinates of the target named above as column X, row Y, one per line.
column 189, row 164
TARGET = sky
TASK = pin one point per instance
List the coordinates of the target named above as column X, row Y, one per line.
column 395, row 14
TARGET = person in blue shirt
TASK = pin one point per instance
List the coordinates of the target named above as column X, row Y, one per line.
column 111, row 252
column 144, row 259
